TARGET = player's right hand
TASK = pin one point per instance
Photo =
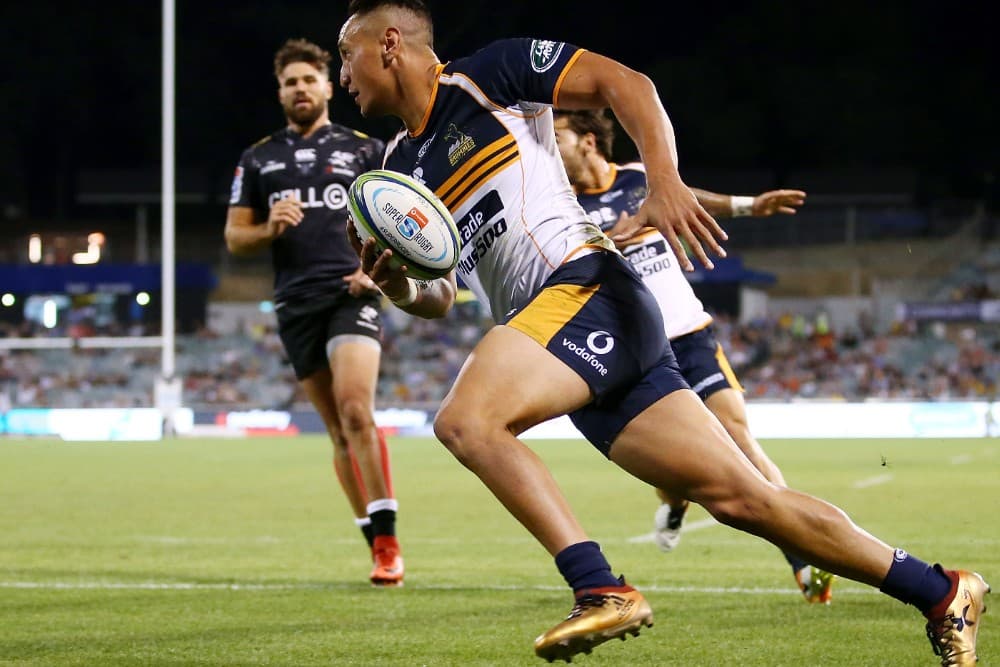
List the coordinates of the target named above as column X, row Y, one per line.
column 389, row 278
column 284, row 214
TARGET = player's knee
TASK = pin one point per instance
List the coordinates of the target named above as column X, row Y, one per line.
column 456, row 430
column 739, row 510
column 354, row 414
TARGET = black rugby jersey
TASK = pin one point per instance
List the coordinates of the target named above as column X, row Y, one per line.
column 311, row 258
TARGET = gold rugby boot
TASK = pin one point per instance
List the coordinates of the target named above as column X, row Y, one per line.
column 816, row 584
column 953, row 636
column 599, row 614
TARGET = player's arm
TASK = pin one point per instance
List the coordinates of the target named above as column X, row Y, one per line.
column 245, row 236
column 594, row 81
column 760, row 206
column 429, row 299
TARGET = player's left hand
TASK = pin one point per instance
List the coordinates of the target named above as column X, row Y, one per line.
column 675, row 212
column 777, row 201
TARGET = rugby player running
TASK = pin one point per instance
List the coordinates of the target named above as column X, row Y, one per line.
column 578, row 332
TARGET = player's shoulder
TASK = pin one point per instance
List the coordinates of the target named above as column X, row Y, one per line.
column 350, row 134
column 266, row 142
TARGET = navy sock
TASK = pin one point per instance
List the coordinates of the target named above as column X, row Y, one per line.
column 583, row 566
column 912, row 581
column 796, row 562
column 383, row 522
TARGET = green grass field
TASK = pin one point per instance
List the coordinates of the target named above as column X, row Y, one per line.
column 243, row 552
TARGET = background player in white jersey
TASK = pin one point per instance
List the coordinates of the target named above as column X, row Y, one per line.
column 578, row 332
column 608, row 191
column 290, row 195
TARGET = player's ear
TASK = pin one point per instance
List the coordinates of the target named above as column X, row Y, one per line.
column 329, row 90
column 390, row 45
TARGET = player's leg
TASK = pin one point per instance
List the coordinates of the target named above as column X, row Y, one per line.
column 304, row 336
column 354, row 360
column 720, row 478
column 508, row 384
column 668, row 519
column 727, row 404
column 317, row 388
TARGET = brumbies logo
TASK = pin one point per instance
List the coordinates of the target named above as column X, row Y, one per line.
column 544, row 54
column 412, row 223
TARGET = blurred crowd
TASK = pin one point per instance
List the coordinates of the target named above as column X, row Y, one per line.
column 777, row 359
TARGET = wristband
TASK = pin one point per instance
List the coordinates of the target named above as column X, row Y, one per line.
column 410, row 297
column 741, row 206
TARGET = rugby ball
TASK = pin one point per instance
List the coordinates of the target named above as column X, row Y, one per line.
column 403, row 215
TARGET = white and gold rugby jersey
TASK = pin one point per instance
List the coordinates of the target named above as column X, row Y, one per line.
column 486, row 147
column 649, row 253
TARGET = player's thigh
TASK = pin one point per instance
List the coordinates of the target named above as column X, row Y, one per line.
column 354, row 362
column 677, row 443
column 510, row 381
column 318, row 388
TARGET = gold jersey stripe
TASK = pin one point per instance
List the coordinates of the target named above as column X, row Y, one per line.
column 483, row 173
column 445, row 190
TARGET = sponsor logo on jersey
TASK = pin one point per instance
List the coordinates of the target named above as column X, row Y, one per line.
column 236, row 189
column 272, row 166
column 544, row 54
column 424, row 146
column 334, row 196
column 609, row 197
column 341, row 158
column 462, row 144
column 305, row 155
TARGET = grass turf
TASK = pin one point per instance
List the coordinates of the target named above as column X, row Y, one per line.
column 243, row 552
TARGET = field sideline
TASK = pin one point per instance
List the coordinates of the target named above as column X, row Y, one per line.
column 243, row 552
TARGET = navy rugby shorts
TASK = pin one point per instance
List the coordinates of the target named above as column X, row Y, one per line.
column 596, row 315
column 703, row 363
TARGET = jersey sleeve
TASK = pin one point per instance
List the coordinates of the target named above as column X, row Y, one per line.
column 243, row 191
column 515, row 71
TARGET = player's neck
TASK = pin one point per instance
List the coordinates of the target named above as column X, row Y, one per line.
column 418, row 95
column 599, row 175
column 306, row 131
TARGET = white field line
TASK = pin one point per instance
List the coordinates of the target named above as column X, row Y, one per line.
column 251, row 587
column 961, row 459
column 685, row 528
column 872, row 481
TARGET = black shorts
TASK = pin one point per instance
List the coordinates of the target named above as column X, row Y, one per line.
column 703, row 363
column 305, row 327
column 596, row 315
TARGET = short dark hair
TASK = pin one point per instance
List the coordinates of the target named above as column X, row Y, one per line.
column 301, row 51
column 593, row 121
column 418, row 7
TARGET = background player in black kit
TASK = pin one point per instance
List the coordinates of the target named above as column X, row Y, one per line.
column 290, row 194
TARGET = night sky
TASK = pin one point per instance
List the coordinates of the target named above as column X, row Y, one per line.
column 770, row 84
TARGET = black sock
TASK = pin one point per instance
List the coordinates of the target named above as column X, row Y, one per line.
column 583, row 566
column 912, row 581
column 383, row 522
column 369, row 534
